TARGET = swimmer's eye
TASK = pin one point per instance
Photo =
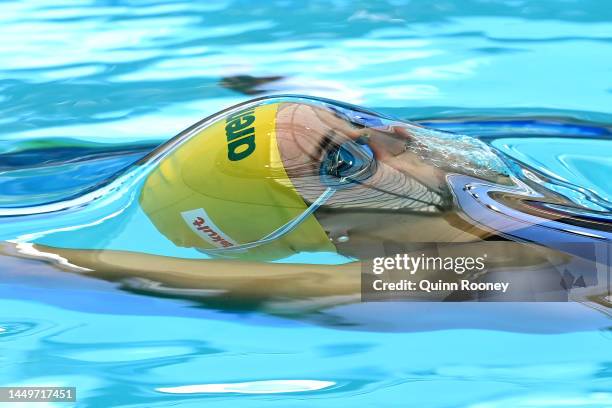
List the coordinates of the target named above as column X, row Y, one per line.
column 347, row 163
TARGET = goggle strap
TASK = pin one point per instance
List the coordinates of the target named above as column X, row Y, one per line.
column 282, row 230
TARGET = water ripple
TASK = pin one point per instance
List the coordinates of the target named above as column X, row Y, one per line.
column 251, row 387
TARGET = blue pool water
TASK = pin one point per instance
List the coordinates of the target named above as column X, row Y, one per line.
column 87, row 88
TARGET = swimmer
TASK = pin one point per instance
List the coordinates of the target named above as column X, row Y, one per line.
column 242, row 201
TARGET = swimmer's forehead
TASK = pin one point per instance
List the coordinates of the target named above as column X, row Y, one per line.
column 301, row 108
column 306, row 114
column 301, row 129
column 308, row 123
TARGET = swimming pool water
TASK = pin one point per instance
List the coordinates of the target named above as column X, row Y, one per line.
column 87, row 87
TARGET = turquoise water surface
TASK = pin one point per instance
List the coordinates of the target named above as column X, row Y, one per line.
column 86, row 88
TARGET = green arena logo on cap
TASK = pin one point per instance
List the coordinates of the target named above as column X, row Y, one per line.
column 240, row 135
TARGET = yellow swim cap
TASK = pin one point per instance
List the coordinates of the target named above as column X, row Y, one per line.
column 225, row 186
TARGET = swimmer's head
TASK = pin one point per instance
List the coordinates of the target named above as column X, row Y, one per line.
column 272, row 178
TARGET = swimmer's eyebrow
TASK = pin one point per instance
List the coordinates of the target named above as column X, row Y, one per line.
column 324, row 143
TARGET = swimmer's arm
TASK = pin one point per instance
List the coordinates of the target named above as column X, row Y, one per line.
column 241, row 278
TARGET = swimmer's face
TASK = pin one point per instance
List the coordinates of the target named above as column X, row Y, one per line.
column 403, row 194
column 401, row 180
